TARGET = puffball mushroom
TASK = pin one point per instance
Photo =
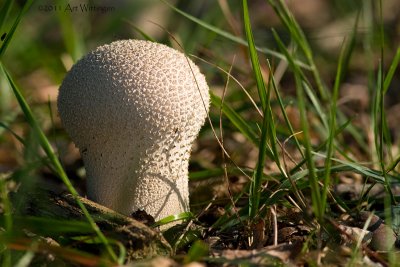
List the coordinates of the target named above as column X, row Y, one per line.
column 134, row 108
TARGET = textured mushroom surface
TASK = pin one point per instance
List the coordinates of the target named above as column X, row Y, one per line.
column 134, row 108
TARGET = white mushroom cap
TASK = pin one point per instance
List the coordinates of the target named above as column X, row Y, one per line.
column 134, row 108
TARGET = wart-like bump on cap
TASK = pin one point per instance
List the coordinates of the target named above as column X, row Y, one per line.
column 134, row 108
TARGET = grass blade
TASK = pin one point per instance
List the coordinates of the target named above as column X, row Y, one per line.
column 285, row 116
column 47, row 226
column 268, row 130
column 313, row 180
column 342, row 66
column 25, row 260
column 205, row 174
column 142, row 33
column 272, row 129
column 298, row 36
column 19, row 138
column 4, row 11
column 332, row 129
column 393, row 165
column 380, row 129
column 11, row 32
column 357, row 167
column 314, row 100
column 173, row 218
column 72, row 40
column 383, row 133
column 392, row 70
column 255, row 185
column 262, row 91
column 7, row 217
column 236, row 119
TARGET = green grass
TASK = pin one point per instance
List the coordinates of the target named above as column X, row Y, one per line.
column 300, row 137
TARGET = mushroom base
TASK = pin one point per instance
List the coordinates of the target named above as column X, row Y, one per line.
column 152, row 188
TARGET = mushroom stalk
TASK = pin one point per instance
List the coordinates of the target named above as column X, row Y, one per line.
column 134, row 108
